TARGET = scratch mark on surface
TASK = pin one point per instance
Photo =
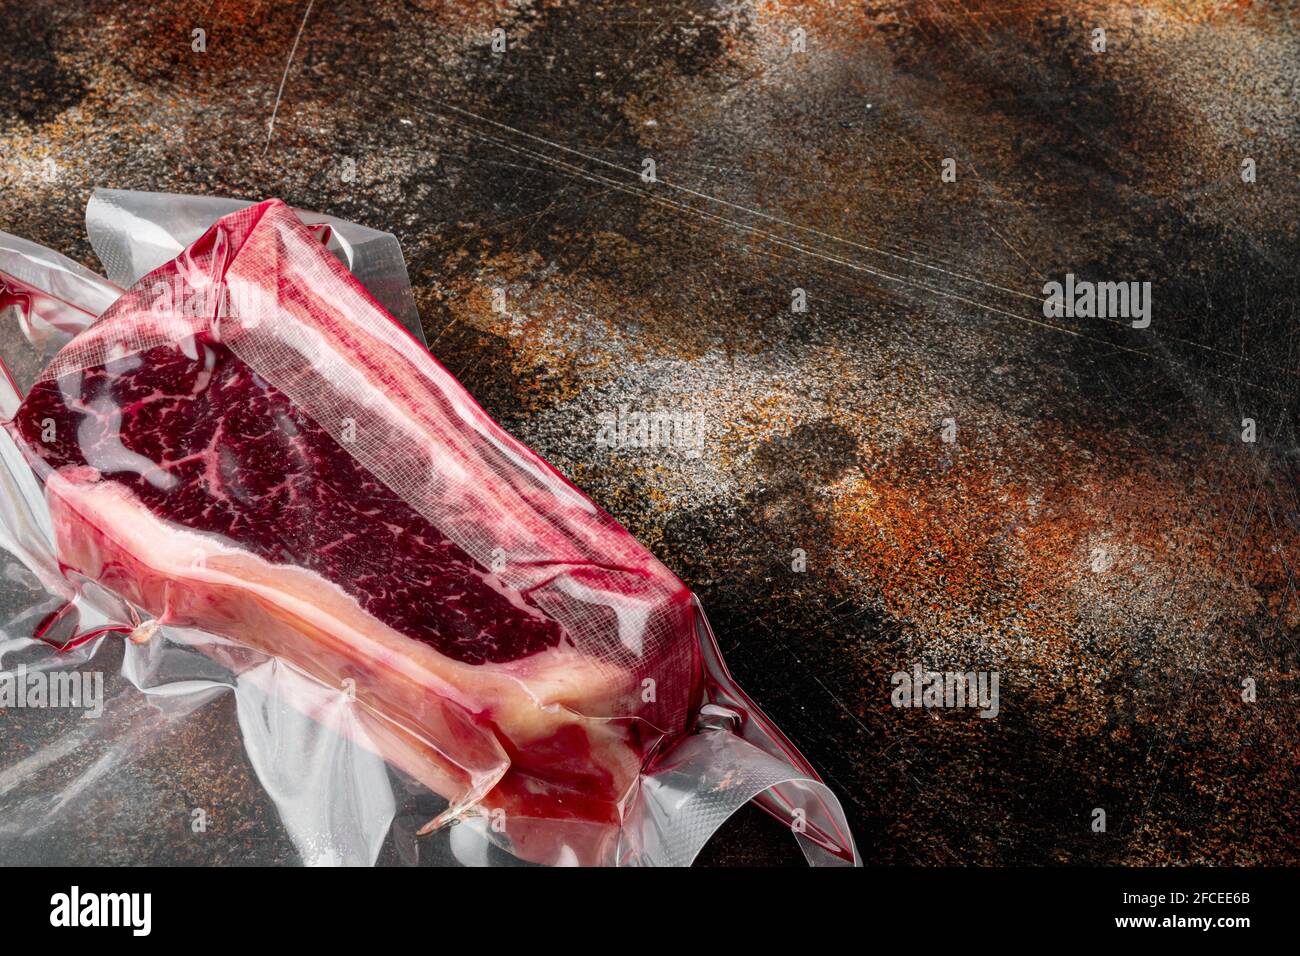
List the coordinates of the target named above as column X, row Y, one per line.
column 288, row 64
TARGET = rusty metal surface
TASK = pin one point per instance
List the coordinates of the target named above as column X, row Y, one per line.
column 1097, row 532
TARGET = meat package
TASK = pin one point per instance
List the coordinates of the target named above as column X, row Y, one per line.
column 246, row 444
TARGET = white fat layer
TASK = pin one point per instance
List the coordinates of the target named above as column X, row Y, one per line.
column 185, row 555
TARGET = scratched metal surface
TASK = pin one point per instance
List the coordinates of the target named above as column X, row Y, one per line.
column 1098, row 533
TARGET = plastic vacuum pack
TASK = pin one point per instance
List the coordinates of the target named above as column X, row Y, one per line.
column 232, row 467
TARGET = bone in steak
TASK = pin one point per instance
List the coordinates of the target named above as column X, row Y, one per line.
column 247, row 444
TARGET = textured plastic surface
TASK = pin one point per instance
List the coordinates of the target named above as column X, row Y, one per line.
column 247, row 458
column 46, row 299
column 134, row 233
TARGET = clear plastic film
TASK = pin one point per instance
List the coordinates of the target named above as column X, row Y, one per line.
column 245, row 477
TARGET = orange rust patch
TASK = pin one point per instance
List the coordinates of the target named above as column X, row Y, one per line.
column 945, row 539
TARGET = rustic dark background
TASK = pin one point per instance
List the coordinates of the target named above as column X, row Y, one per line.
column 1098, row 532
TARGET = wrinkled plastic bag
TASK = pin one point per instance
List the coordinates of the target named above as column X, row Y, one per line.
column 615, row 737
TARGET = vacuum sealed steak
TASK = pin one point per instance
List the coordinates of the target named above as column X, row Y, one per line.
column 247, row 444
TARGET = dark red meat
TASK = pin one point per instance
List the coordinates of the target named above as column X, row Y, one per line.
column 208, row 444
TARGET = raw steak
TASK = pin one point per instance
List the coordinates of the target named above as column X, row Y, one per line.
column 247, row 444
